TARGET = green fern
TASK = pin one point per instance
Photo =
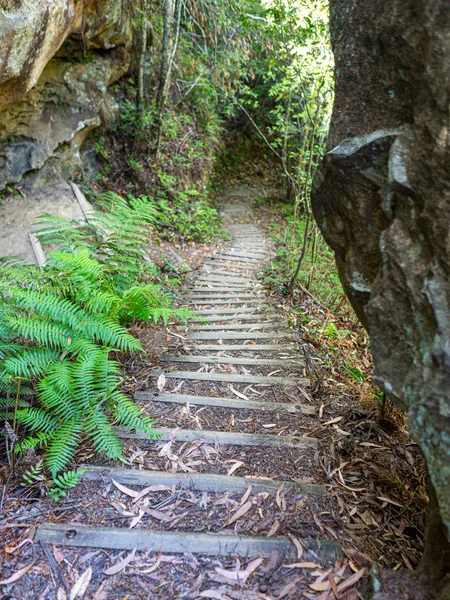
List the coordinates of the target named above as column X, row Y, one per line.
column 63, row 482
column 59, row 326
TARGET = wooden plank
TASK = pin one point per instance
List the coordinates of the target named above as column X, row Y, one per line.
column 231, row 302
column 233, row 403
column 222, row 437
column 219, row 272
column 228, row 318
column 226, row 327
column 38, row 251
column 224, row 296
column 230, row 377
column 216, row 290
column 210, row 544
column 245, row 347
column 228, row 280
column 200, row 482
column 236, row 259
column 242, row 254
column 225, row 311
column 229, row 360
column 222, row 263
column 236, row 335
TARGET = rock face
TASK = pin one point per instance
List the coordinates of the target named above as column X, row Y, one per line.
column 57, row 60
column 382, row 200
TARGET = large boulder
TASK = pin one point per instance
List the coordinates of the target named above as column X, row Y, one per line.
column 57, row 60
column 382, row 200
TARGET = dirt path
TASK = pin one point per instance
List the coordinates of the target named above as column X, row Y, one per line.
column 227, row 503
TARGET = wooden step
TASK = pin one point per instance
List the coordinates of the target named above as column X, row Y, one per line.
column 234, row 403
column 222, row 263
column 248, row 326
column 229, row 360
column 200, row 482
column 237, row 259
column 236, row 335
column 245, row 347
column 210, row 544
column 229, row 438
column 225, row 296
column 231, row 301
column 244, row 280
column 225, row 311
column 230, row 377
column 244, row 317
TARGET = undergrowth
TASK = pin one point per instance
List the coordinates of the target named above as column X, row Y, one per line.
column 59, row 327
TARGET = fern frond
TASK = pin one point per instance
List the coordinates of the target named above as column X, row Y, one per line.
column 62, row 446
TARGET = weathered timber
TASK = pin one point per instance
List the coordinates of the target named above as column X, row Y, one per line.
column 200, row 482
column 222, row 437
column 225, row 327
column 236, row 335
column 234, row 403
column 230, row 377
column 210, row 544
column 229, row 360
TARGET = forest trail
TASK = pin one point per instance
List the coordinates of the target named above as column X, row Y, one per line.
column 241, row 382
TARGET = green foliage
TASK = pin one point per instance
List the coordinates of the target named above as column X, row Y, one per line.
column 59, row 327
column 63, row 482
column 34, row 475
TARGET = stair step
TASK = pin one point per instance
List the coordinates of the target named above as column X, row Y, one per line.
column 229, row 360
column 235, row 258
column 245, row 317
column 230, row 377
column 211, row 544
column 233, row 403
column 236, row 335
column 244, row 347
column 222, row 278
column 222, row 263
column 249, row 326
column 224, row 311
column 230, row 301
column 229, row 438
column 200, row 482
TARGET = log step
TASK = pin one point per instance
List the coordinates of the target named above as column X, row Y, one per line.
column 233, row 403
column 249, row 326
column 235, row 335
column 235, row 258
column 244, row 347
column 230, row 378
column 229, row 438
column 170, row 542
column 229, row 360
column 226, row 318
column 224, row 311
column 200, row 482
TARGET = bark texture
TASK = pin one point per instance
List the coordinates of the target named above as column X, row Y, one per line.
column 382, row 200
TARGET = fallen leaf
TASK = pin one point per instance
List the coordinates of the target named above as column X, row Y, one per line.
column 120, row 566
column 61, row 594
column 125, row 490
column 59, row 556
column 324, row 586
column 238, row 394
column 336, row 420
column 152, row 568
column 161, row 382
column 348, row 583
column 302, row 565
column 153, row 488
column 384, row 499
column 81, row 585
column 270, row 425
column 235, row 467
column 274, row 528
column 298, row 545
column 239, row 513
column 278, row 496
column 17, row 575
column 136, row 520
column 246, row 494
column 243, row 574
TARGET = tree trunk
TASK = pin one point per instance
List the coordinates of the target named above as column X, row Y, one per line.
column 171, row 17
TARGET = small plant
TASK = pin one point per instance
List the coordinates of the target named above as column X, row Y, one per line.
column 64, row 482
column 100, row 147
column 135, row 165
